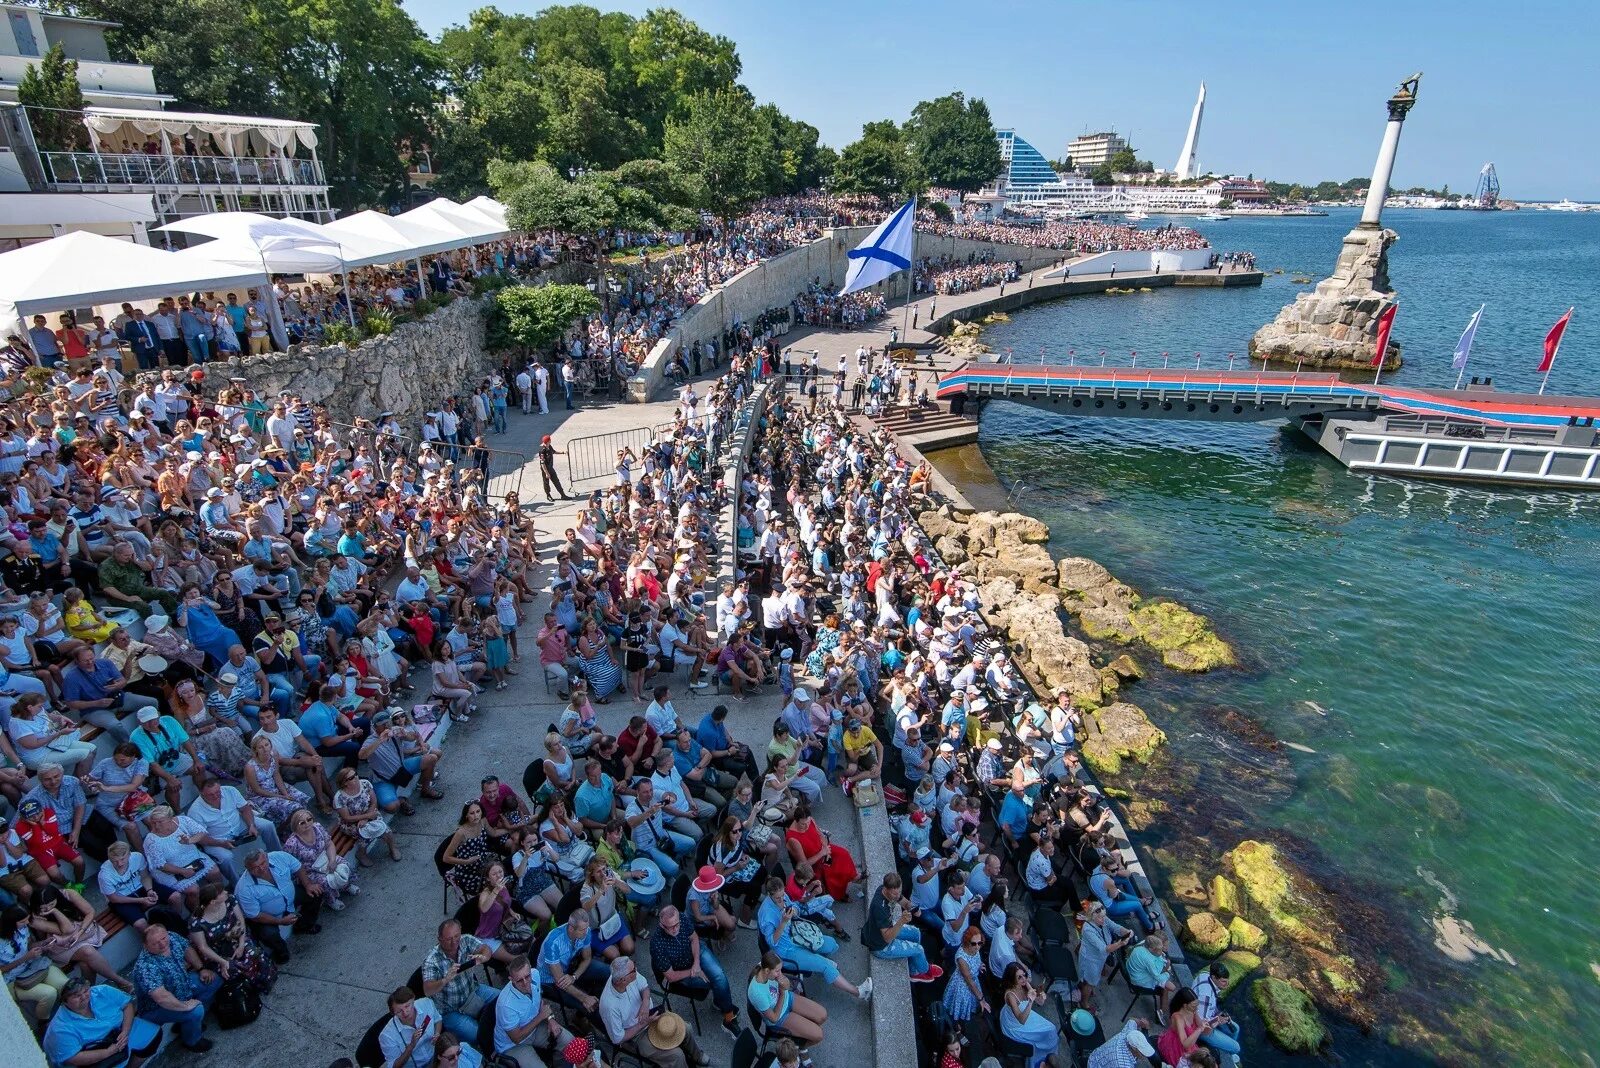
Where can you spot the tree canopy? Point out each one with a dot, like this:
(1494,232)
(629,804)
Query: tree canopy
(954,143)
(534,317)
(879,163)
(50,90)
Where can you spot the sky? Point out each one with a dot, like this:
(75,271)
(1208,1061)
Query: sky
(1294,92)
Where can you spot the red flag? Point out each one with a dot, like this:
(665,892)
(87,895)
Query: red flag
(1385,323)
(1552,341)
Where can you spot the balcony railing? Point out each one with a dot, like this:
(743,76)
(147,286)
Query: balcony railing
(138,169)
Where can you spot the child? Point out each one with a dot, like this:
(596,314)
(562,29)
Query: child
(835,745)
(786,671)
(494,649)
(39,831)
(508,612)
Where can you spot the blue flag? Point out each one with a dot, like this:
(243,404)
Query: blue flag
(886,250)
(1464,346)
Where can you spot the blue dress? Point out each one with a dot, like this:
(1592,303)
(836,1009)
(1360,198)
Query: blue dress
(959,1004)
(208,634)
(1037,1031)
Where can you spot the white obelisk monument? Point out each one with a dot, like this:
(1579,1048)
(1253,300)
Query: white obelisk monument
(1188,166)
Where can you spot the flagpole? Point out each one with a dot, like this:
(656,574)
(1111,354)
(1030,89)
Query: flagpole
(1475,318)
(1556,351)
(911,277)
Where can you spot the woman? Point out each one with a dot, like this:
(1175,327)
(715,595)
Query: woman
(1178,1043)
(635,658)
(580,723)
(1147,966)
(807,779)
(499,927)
(378,646)
(963,994)
(532,865)
(833,864)
(198,617)
(124,881)
(356,805)
(450,1052)
(232,612)
(33,979)
(594,655)
(777,783)
(1020,1018)
(220,745)
(567,839)
(1098,939)
(622,857)
(64,927)
(468,844)
(451,685)
(320,863)
(827,640)
(558,768)
(783,1010)
(219,934)
(598,897)
(743,873)
(264,785)
(41,738)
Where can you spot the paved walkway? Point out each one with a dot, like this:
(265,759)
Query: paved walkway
(336,985)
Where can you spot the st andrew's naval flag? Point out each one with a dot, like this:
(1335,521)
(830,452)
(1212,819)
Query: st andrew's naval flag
(886,250)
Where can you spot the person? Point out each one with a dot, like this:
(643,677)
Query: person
(628,1017)
(775,919)
(26,966)
(597,895)
(355,801)
(808,843)
(326,874)
(96,1025)
(276,901)
(124,881)
(447,979)
(863,754)
(1020,1018)
(1223,1034)
(413,1029)
(451,1052)
(467,845)
(678,957)
(963,995)
(172,849)
(567,968)
(1046,888)
(65,925)
(1118,1050)
(1099,939)
(890,932)
(786,1012)
(523,1024)
(1147,966)
(174,986)
(547,462)
(220,936)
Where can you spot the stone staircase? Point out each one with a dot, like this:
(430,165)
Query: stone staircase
(929,428)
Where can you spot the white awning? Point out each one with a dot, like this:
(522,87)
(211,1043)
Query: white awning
(233,135)
(74,209)
(410,238)
(447,215)
(81,269)
(320,259)
(490,208)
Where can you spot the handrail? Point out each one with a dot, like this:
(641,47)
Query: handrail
(137,168)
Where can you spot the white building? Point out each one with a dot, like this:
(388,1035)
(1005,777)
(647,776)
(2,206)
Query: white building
(1094,150)
(27,33)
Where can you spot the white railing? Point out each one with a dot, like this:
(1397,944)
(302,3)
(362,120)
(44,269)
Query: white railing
(139,169)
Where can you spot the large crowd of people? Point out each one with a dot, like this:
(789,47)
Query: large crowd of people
(1078,238)
(947,275)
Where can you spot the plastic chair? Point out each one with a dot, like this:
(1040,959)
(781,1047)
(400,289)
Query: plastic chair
(1009,1049)
(746,1049)
(692,994)
(533,777)
(367,1050)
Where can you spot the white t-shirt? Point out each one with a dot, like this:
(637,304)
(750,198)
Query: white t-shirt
(284,739)
(223,821)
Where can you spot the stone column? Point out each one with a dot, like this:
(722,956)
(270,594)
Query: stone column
(1399,104)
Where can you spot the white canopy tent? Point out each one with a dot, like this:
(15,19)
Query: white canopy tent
(411,239)
(81,269)
(233,135)
(474,227)
(489,207)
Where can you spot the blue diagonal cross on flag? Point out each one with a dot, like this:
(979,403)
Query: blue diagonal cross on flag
(886,250)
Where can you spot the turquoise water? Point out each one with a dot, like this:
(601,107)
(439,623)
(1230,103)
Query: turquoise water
(1435,647)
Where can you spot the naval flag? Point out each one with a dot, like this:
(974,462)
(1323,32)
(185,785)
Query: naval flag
(886,250)
(1464,346)
(1385,324)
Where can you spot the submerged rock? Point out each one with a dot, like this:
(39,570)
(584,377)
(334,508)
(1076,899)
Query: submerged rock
(1239,964)
(1224,895)
(1205,934)
(1123,732)
(1267,882)
(1186,886)
(1185,640)
(1242,934)
(1291,1017)
(1442,805)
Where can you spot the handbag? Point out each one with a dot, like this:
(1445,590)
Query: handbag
(866,794)
(338,876)
(806,934)
(135,805)
(373,829)
(403,776)
(238,1003)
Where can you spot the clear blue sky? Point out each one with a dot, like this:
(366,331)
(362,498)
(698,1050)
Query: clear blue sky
(1295,92)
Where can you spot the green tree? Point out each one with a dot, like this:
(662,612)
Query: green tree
(49,90)
(794,160)
(721,144)
(534,317)
(877,164)
(674,61)
(1124,162)
(953,141)
(199,51)
(1101,175)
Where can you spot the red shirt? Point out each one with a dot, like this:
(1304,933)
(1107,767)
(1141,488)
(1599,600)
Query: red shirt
(631,743)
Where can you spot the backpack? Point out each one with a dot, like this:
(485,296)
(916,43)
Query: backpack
(238,1003)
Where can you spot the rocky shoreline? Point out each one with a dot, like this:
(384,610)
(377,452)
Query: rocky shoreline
(1256,912)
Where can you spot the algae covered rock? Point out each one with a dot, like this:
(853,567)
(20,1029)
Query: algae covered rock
(1104,622)
(1186,887)
(1291,1017)
(1268,883)
(1123,732)
(1184,639)
(1205,934)
(1242,934)
(1442,805)
(1239,963)
(1127,669)
(1224,895)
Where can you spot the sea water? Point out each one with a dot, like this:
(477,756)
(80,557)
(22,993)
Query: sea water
(1430,653)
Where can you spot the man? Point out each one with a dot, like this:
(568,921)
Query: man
(330,732)
(727,755)
(685,812)
(863,754)
(125,583)
(84,829)
(693,765)
(43,340)
(541,384)
(141,336)
(296,759)
(651,835)
(595,800)
(676,651)
(569,380)
(547,468)
(167,746)
(567,968)
(626,1012)
(165,320)
(173,987)
(677,957)
(96,1025)
(661,715)
(196,330)
(1013,818)
(277,898)
(891,934)
(522,1022)
(94,688)
(640,745)
(956,907)
(524,382)
(1224,1034)
(739,663)
(447,979)
(414,1025)
(229,821)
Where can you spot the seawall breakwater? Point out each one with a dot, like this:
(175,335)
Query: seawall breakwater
(1254,910)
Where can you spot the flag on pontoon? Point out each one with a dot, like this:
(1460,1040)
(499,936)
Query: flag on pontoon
(887,250)
(1552,342)
(1385,323)
(1464,346)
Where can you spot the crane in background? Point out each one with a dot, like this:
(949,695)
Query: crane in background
(1487,195)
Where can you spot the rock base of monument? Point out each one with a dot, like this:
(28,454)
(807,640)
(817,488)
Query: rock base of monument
(1335,326)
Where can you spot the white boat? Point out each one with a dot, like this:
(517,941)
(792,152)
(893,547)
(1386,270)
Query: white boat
(1567,205)
(1136,215)
(1215,216)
